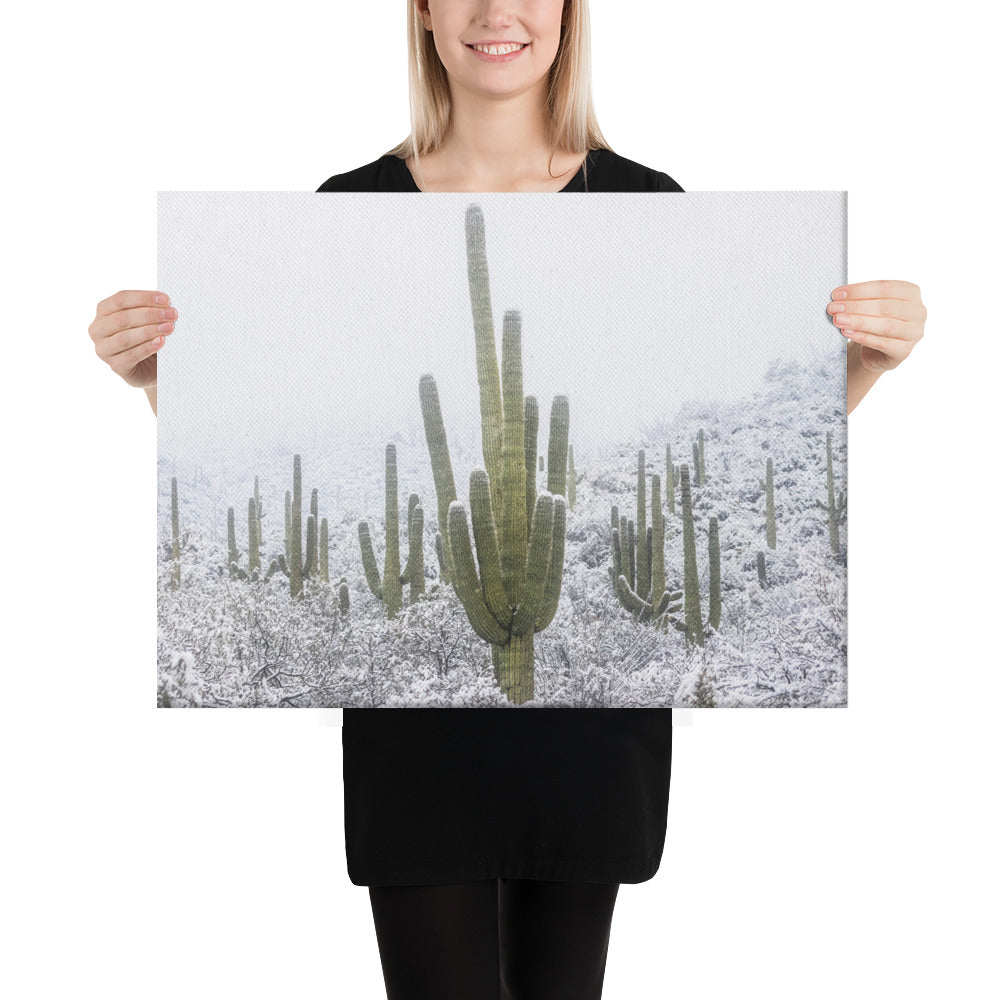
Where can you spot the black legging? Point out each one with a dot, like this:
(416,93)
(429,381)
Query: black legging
(498,939)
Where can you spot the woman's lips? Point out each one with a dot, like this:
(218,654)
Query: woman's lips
(505,57)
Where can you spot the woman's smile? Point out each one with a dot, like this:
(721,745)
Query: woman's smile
(498,51)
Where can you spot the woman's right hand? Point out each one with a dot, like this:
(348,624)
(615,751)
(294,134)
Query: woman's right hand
(128,330)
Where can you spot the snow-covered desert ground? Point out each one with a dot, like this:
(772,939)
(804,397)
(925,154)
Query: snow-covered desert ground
(233,643)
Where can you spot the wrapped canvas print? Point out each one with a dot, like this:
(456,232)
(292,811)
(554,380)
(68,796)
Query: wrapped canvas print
(502,450)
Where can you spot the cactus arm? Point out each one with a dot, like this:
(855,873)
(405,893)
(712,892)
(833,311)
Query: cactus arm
(530,455)
(629,598)
(630,552)
(513,521)
(487,549)
(404,576)
(537,569)
(616,554)
(310,547)
(487,371)
(558,445)
(444,479)
(368,559)
(553,584)
(466,581)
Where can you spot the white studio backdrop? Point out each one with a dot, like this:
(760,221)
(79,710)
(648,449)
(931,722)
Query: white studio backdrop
(850,850)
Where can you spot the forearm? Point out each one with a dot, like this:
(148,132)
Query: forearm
(859,381)
(150,391)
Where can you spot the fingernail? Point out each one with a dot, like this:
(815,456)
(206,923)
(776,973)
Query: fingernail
(837,307)
(160,300)
(840,293)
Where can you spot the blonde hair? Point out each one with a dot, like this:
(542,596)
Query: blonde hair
(572,123)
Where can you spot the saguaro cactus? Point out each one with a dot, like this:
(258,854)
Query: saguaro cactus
(253,532)
(520,538)
(670,481)
(413,572)
(692,594)
(324,551)
(254,542)
(293,565)
(659,605)
(234,553)
(645,596)
(768,485)
(388,589)
(761,571)
(642,553)
(258,509)
(836,509)
(714,575)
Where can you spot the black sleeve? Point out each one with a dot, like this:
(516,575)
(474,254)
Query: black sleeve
(664,182)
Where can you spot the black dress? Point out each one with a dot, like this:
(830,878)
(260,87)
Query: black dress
(440,795)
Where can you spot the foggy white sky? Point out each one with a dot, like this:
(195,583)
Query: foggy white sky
(302,313)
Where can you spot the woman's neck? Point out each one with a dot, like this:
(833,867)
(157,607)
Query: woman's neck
(496,146)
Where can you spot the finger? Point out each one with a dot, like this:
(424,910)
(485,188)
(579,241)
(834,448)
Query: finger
(128,319)
(887,345)
(129,299)
(123,363)
(117,344)
(884,289)
(882,326)
(903,309)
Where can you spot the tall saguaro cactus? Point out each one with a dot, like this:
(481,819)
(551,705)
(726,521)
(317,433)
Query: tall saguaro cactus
(388,589)
(294,565)
(642,553)
(413,572)
(769,487)
(513,592)
(714,575)
(670,481)
(692,595)
(836,509)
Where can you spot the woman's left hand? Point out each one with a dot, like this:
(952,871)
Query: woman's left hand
(885,317)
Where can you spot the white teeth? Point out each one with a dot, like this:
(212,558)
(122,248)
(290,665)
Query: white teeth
(497,50)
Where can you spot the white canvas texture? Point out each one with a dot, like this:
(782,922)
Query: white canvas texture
(311,329)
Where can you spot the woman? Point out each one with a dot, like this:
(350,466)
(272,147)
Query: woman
(493,842)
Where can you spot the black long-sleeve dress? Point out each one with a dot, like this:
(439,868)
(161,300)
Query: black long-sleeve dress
(441,795)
